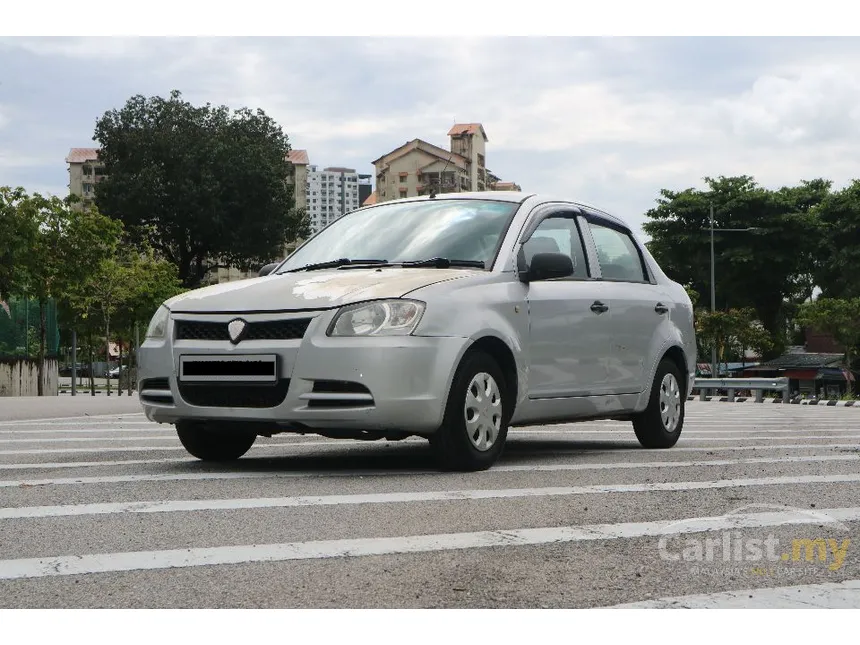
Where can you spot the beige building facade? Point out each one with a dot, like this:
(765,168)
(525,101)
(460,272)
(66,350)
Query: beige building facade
(417,167)
(85,171)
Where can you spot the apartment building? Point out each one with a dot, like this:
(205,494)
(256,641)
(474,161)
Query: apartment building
(85,171)
(418,167)
(505,186)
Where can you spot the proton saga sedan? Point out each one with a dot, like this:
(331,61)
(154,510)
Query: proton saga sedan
(451,317)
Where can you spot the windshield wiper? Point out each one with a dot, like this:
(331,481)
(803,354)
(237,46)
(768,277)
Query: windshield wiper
(333,264)
(444,263)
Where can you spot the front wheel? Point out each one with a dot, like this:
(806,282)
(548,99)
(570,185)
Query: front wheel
(660,424)
(211,442)
(475,425)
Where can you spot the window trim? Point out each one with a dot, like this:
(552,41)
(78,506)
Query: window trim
(597,219)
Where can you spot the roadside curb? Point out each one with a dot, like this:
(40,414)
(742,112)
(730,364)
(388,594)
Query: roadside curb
(743,399)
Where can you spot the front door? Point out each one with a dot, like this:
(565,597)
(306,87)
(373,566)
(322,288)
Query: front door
(568,344)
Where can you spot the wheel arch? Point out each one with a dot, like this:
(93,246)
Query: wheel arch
(501,352)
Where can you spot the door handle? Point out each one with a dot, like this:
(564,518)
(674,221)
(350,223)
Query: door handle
(661,308)
(598,307)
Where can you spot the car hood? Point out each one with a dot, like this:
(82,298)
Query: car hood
(312,290)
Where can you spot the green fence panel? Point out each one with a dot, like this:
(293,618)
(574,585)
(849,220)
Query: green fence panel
(20,328)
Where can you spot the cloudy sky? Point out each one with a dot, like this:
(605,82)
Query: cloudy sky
(604,120)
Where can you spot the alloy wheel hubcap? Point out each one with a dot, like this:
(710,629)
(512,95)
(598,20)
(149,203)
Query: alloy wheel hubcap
(670,402)
(483,411)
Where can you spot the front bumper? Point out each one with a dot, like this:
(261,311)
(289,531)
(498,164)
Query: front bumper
(407,379)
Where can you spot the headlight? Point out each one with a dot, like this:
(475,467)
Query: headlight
(382,318)
(158,325)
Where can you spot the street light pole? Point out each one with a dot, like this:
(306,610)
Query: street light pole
(714,281)
(714,373)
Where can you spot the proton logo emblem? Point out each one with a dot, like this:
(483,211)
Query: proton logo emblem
(236,329)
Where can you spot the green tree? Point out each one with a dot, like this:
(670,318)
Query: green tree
(731,332)
(68,242)
(838,317)
(149,282)
(839,250)
(760,268)
(202,186)
(17,236)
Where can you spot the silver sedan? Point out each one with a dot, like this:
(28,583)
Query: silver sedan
(451,317)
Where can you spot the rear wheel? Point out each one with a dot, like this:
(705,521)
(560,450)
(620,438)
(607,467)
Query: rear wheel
(660,424)
(475,425)
(214,442)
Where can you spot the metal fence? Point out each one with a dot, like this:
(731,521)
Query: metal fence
(20,328)
(733,385)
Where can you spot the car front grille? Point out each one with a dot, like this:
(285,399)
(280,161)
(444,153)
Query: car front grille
(234,395)
(266,330)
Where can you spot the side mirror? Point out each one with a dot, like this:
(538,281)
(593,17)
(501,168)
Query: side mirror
(266,270)
(546,266)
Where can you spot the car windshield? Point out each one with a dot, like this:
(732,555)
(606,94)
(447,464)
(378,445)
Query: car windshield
(458,230)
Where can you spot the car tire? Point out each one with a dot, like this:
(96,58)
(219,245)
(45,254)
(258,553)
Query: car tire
(660,424)
(214,443)
(475,424)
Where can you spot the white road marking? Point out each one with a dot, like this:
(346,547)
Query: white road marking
(89,464)
(172,506)
(497,468)
(830,595)
(592,434)
(684,437)
(346,444)
(89,439)
(709,435)
(76,419)
(244,554)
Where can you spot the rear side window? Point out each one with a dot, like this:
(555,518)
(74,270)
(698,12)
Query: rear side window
(617,254)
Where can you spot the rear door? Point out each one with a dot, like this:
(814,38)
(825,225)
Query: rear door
(638,306)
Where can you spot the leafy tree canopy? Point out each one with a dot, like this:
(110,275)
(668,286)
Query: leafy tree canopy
(198,184)
(759,268)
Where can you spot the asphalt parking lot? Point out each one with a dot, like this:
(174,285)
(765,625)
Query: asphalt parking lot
(757,505)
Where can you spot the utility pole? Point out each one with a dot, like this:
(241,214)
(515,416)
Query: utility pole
(714,373)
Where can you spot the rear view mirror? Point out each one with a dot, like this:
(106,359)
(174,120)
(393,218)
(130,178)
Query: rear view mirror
(546,266)
(266,270)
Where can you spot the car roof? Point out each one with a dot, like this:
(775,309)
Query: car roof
(508,196)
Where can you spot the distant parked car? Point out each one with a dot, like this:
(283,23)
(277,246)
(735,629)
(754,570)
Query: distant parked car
(114,372)
(83,369)
(450,318)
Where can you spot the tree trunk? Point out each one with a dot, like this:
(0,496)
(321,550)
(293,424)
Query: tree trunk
(92,359)
(128,366)
(107,352)
(42,336)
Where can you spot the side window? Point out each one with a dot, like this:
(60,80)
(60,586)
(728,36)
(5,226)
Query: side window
(617,254)
(558,234)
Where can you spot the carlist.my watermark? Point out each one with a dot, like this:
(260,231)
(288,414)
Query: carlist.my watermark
(822,544)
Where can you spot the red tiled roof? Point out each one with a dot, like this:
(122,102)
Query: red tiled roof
(298,157)
(467,128)
(370,201)
(80,155)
